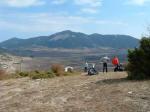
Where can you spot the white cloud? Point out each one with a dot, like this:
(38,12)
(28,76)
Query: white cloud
(91,3)
(45,22)
(21,3)
(84,6)
(57,2)
(89,6)
(89,10)
(138,2)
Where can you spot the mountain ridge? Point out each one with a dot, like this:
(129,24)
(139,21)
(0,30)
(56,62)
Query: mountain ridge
(69,39)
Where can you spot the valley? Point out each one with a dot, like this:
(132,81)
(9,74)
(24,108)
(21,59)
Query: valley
(43,58)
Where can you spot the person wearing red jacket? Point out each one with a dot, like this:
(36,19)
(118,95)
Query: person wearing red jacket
(115,62)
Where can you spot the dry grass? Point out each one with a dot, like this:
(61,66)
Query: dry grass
(109,92)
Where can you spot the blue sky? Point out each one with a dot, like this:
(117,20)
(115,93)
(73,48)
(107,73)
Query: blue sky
(30,18)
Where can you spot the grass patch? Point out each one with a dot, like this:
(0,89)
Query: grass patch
(43,74)
(36,74)
(56,70)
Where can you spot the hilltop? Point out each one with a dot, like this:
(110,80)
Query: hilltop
(102,93)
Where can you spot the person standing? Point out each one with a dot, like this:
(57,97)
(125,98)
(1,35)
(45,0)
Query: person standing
(115,62)
(86,67)
(93,65)
(105,60)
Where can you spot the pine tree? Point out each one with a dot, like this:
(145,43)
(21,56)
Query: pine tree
(139,61)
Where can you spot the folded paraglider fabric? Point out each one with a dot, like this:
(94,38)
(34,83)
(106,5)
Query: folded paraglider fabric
(105,59)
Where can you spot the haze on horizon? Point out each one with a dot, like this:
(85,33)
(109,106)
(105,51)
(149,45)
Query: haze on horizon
(30,18)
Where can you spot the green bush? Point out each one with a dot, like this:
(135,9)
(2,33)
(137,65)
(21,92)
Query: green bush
(41,74)
(56,70)
(36,74)
(23,74)
(139,61)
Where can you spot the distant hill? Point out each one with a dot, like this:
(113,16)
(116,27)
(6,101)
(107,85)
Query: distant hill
(72,40)
(3,51)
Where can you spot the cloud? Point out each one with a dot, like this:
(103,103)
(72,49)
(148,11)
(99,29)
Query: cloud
(84,6)
(91,3)
(57,2)
(89,10)
(21,3)
(89,6)
(138,2)
(40,22)
(45,22)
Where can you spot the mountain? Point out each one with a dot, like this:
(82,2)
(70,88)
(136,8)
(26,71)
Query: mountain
(72,40)
(3,51)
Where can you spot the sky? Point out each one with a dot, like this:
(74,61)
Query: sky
(31,18)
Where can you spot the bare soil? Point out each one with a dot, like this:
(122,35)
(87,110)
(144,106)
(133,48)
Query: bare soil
(109,92)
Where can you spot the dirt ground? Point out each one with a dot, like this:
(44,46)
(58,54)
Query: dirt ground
(109,92)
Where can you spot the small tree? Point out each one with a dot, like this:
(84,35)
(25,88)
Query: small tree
(139,61)
(2,74)
(58,69)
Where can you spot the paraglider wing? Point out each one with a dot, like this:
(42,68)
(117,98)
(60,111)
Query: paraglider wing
(105,59)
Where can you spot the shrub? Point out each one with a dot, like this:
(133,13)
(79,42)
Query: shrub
(57,69)
(50,74)
(35,74)
(139,61)
(41,74)
(2,74)
(19,74)
(23,74)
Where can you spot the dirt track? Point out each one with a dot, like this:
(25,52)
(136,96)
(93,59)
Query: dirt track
(102,93)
